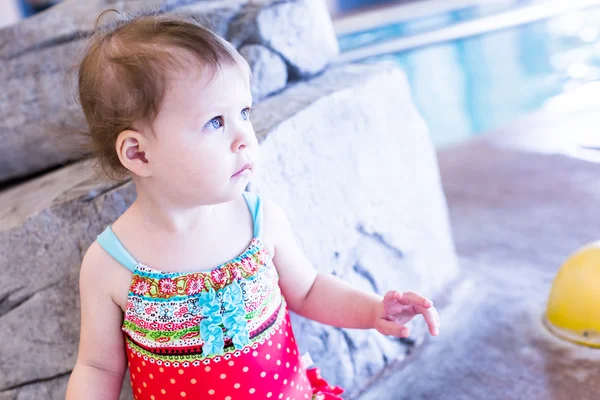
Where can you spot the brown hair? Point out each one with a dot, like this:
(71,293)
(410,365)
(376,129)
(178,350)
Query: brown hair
(122,77)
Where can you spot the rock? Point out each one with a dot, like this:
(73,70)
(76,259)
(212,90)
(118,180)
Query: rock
(269,71)
(300,31)
(38,101)
(35,109)
(214,15)
(46,225)
(72,20)
(345,154)
(53,390)
(351,163)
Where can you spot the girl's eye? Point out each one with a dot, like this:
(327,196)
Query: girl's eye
(215,123)
(246,114)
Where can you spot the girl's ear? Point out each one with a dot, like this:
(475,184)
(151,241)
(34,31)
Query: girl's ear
(132,149)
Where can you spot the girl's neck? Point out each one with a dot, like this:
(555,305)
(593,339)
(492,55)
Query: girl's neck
(159,215)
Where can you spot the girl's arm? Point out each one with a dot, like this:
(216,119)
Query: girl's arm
(330,300)
(101,361)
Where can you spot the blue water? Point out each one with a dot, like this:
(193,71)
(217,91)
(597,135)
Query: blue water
(420,25)
(475,85)
(353,5)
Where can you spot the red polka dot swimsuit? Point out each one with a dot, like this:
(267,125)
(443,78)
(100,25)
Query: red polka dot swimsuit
(218,334)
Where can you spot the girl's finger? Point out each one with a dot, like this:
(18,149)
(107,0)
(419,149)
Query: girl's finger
(392,295)
(416,299)
(430,318)
(392,329)
(437,316)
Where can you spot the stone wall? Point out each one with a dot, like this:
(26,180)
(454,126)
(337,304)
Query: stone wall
(283,41)
(344,152)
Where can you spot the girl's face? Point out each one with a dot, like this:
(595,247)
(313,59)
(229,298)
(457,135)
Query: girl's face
(204,148)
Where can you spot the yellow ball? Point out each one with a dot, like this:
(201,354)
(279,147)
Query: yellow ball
(573,311)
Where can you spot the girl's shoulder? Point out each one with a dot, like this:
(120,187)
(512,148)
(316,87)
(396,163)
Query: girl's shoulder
(102,278)
(275,223)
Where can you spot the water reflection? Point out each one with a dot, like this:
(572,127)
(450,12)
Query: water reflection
(344,6)
(471,86)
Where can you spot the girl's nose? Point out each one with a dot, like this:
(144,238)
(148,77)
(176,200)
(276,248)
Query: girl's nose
(241,139)
(238,144)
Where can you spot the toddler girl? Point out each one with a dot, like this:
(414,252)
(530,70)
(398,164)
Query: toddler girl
(190,288)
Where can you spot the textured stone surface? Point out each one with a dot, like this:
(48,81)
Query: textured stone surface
(45,227)
(269,71)
(71,19)
(300,31)
(35,108)
(37,61)
(215,15)
(370,188)
(346,155)
(52,390)
(516,217)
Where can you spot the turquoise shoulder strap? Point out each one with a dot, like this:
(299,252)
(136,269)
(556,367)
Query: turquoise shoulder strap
(113,246)
(255,206)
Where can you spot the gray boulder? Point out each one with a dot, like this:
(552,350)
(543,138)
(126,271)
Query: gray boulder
(300,31)
(269,71)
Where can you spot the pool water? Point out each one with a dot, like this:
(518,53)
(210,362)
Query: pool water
(344,6)
(410,27)
(481,83)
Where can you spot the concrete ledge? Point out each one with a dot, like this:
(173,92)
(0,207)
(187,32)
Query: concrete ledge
(516,217)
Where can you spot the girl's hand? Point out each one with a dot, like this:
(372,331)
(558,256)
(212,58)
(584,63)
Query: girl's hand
(396,309)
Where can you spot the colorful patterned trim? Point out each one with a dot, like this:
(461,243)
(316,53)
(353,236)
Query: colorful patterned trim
(193,355)
(154,284)
(135,323)
(259,308)
(153,335)
(161,335)
(163,340)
